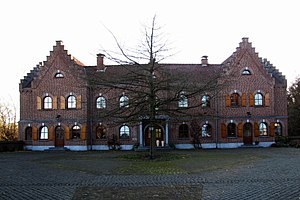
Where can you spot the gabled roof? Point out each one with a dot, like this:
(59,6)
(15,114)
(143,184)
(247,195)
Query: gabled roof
(197,72)
(267,66)
(36,71)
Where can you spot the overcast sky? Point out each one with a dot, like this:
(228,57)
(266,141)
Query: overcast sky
(214,28)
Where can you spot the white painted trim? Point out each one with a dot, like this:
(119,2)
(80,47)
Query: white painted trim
(100,147)
(230,145)
(167,134)
(141,134)
(265,144)
(184,146)
(77,148)
(126,147)
(209,146)
(37,148)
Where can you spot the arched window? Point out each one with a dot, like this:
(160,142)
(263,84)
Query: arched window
(75,132)
(28,133)
(101,102)
(183,101)
(58,74)
(71,101)
(206,130)
(263,130)
(124,132)
(278,129)
(235,99)
(124,101)
(183,131)
(258,99)
(44,133)
(205,101)
(231,130)
(47,102)
(101,132)
(246,72)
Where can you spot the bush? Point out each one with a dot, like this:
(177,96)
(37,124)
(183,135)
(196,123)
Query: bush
(11,146)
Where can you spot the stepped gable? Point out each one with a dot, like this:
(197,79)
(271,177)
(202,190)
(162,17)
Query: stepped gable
(26,81)
(273,71)
(267,66)
(41,68)
(244,46)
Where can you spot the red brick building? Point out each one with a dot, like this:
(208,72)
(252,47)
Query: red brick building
(56,103)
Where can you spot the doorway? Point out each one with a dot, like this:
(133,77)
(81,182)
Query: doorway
(59,136)
(158,134)
(247,134)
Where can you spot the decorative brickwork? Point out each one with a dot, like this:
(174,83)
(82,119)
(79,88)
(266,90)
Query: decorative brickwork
(250,109)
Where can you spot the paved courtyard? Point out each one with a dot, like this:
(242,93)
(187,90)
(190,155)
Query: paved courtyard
(26,175)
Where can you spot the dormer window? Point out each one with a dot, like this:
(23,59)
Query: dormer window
(58,74)
(246,71)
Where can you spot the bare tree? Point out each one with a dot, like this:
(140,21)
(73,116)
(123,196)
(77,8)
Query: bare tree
(8,123)
(151,90)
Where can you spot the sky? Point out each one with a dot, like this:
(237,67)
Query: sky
(194,28)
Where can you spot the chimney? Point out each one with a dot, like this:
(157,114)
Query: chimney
(58,42)
(100,58)
(204,61)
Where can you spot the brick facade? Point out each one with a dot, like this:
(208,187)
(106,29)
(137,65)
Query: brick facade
(58,107)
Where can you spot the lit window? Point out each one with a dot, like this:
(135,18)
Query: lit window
(258,99)
(47,102)
(76,132)
(263,130)
(101,132)
(101,102)
(124,132)
(44,133)
(206,130)
(183,131)
(71,101)
(205,101)
(183,101)
(231,130)
(124,101)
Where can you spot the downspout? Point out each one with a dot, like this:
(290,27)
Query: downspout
(90,102)
(217,120)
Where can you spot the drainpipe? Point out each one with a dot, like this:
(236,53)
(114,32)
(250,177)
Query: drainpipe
(217,120)
(90,116)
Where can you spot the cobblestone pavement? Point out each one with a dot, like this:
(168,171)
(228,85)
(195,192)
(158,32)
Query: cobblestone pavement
(275,177)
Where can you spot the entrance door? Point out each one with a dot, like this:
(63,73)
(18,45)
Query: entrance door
(59,136)
(158,134)
(247,134)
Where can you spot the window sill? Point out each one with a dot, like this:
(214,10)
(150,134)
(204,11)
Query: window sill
(259,106)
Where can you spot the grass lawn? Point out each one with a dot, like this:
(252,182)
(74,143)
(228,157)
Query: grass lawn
(171,162)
